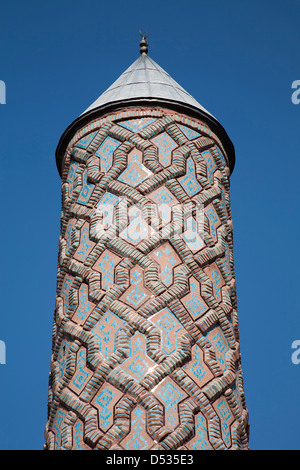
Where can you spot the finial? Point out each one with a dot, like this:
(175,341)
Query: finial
(143,43)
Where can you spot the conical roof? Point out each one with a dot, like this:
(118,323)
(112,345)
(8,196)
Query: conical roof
(144,83)
(145,79)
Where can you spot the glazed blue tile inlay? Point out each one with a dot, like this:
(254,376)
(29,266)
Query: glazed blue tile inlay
(105,153)
(107,265)
(83,303)
(171,395)
(225,414)
(213,219)
(105,412)
(135,125)
(221,345)
(165,145)
(217,281)
(201,433)
(189,181)
(136,295)
(194,305)
(78,432)
(136,172)
(137,442)
(57,425)
(106,331)
(188,132)
(170,328)
(86,190)
(71,176)
(210,164)
(85,141)
(224,163)
(85,244)
(81,376)
(107,206)
(138,363)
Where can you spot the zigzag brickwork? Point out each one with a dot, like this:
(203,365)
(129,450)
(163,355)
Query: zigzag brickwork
(145,350)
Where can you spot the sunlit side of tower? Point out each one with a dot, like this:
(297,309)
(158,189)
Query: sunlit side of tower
(146,351)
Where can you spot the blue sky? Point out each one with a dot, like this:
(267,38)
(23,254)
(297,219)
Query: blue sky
(238,59)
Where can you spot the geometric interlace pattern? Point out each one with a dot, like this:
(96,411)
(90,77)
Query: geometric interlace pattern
(145,350)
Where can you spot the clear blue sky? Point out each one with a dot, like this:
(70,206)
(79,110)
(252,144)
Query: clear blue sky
(238,59)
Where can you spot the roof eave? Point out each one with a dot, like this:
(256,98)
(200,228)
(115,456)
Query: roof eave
(192,111)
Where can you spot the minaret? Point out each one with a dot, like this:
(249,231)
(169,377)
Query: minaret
(146,351)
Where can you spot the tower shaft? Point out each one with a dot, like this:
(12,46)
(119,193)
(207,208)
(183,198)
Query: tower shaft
(146,350)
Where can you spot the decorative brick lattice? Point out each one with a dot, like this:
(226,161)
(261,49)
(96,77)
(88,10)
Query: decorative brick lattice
(145,339)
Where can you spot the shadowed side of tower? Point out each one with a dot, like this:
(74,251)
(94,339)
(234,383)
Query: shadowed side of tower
(146,340)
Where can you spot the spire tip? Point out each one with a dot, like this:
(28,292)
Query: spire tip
(143,43)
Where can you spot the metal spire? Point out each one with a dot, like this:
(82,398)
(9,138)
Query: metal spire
(143,43)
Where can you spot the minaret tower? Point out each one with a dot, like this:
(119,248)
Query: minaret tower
(146,351)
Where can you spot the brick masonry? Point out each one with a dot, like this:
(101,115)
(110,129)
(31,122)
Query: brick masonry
(146,348)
